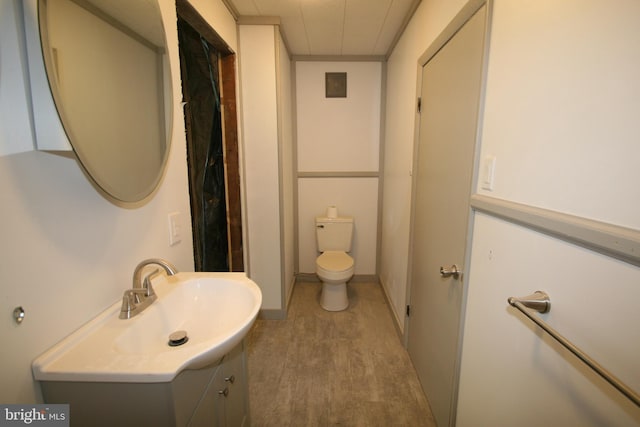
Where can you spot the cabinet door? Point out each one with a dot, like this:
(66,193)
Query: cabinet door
(235,379)
(225,403)
(210,411)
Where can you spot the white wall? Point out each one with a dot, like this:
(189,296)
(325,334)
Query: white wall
(429,20)
(569,134)
(338,134)
(560,117)
(66,252)
(265,73)
(287,180)
(356,197)
(217,15)
(338,146)
(261,161)
(561,99)
(515,374)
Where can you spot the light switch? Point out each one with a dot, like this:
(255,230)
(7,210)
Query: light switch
(174,228)
(488,172)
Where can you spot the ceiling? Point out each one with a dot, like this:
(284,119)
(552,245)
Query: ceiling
(333,27)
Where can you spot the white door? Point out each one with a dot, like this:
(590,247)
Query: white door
(451,84)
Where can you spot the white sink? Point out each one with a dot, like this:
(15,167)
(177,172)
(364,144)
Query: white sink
(215,309)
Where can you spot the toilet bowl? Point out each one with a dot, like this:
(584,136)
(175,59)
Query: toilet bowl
(334,235)
(334,268)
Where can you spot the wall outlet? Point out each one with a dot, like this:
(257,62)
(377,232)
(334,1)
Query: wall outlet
(174,228)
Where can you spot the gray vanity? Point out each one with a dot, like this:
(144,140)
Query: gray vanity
(116,371)
(216,395)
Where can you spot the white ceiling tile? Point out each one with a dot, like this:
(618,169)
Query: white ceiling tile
(363,22)
(246,7)
(393,23)
(276,7)
(292,23)
(295,35)
(333,27)
(323,23)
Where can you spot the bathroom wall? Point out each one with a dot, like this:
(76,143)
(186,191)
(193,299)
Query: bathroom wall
(511,368)
(257,64)
(287,177)
(67,253)
(561,97)
(560,118)
(356,197)
(338,148)
(268,157)
(431,17)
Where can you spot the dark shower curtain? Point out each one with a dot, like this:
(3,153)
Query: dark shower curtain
(201,89)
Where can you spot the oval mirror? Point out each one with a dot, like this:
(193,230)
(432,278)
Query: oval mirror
(109,75)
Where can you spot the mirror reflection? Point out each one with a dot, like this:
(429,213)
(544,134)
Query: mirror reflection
(107,67)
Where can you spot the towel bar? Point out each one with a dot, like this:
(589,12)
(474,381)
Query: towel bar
(540,302)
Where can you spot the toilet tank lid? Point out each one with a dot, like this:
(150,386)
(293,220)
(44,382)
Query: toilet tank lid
(320,219)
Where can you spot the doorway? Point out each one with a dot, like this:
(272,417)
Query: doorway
(207,67)
(451,81)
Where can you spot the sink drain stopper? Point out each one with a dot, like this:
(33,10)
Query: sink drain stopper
(178,338)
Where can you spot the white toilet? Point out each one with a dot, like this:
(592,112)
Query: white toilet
(334,266)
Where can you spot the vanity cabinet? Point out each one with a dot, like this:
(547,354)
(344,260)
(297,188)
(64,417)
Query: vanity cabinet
(225,401)
(215,395)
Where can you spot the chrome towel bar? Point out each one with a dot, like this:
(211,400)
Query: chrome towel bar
(539,301)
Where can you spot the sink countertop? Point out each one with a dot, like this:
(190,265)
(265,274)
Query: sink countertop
(215,309)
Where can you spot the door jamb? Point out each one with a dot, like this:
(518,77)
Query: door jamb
(229,104)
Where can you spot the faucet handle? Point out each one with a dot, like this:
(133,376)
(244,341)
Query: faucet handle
(128,305)
(146,283)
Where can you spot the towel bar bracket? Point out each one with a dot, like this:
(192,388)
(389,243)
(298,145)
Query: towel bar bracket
(538,301)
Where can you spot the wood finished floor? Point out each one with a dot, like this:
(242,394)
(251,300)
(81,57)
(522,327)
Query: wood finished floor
(347,368)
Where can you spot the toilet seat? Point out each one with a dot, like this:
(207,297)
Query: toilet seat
(334,265)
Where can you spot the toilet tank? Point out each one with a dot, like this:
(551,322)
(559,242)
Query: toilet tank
(334,234)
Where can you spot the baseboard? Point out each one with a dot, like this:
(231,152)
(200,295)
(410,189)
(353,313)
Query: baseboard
(396,320)
(360,278)
(272,314)
(290,293)
(306,278)
(313,278)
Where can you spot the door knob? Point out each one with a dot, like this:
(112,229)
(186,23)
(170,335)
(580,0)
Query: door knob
(454,271)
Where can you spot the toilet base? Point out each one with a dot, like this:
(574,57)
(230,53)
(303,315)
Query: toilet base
(334,296)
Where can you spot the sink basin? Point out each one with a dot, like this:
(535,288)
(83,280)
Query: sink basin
(215,310)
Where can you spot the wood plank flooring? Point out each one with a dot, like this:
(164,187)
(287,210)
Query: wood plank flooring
(318,368)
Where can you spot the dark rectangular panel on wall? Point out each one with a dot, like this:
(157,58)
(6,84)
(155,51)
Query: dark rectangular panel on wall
(335,85)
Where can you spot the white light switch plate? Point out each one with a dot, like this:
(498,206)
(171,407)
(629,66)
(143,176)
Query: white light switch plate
(488,171)
(174,228)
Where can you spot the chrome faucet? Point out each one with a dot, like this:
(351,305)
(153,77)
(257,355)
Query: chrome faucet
(141,294)
(137,273)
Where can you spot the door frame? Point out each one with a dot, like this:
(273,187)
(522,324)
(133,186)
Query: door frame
(230,139)
(461,18)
